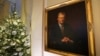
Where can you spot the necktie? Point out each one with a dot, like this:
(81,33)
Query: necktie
(62,29)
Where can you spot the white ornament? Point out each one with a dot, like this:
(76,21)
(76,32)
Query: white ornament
(18,20)
(20,54)
(3,27)
(22,33)
(8,39)
(7,20)
(14,32)
(15,12)
(28,51)
(23,40)
(13,43)
(5,47)
(15,53)
(27,44)
(15,23)
(18,41)
(19,49)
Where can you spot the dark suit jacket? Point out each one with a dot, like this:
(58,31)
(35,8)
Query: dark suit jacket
(55,36)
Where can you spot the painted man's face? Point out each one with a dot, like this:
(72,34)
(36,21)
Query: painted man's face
(61,18)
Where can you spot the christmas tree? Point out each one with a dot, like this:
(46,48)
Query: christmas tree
(14,40)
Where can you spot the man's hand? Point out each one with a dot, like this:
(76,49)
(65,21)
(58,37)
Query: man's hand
(66,40)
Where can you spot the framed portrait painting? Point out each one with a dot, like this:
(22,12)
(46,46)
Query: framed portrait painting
(68,29)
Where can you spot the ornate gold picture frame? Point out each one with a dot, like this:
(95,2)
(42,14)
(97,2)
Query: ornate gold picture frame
(76,38)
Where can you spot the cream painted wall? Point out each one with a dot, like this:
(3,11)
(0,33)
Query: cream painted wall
(37,16)
(53,2)
(36,22)
(96,19)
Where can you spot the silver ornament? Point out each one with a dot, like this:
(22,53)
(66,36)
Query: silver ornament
(14,32)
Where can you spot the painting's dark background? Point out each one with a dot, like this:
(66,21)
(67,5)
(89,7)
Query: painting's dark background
(76,18)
